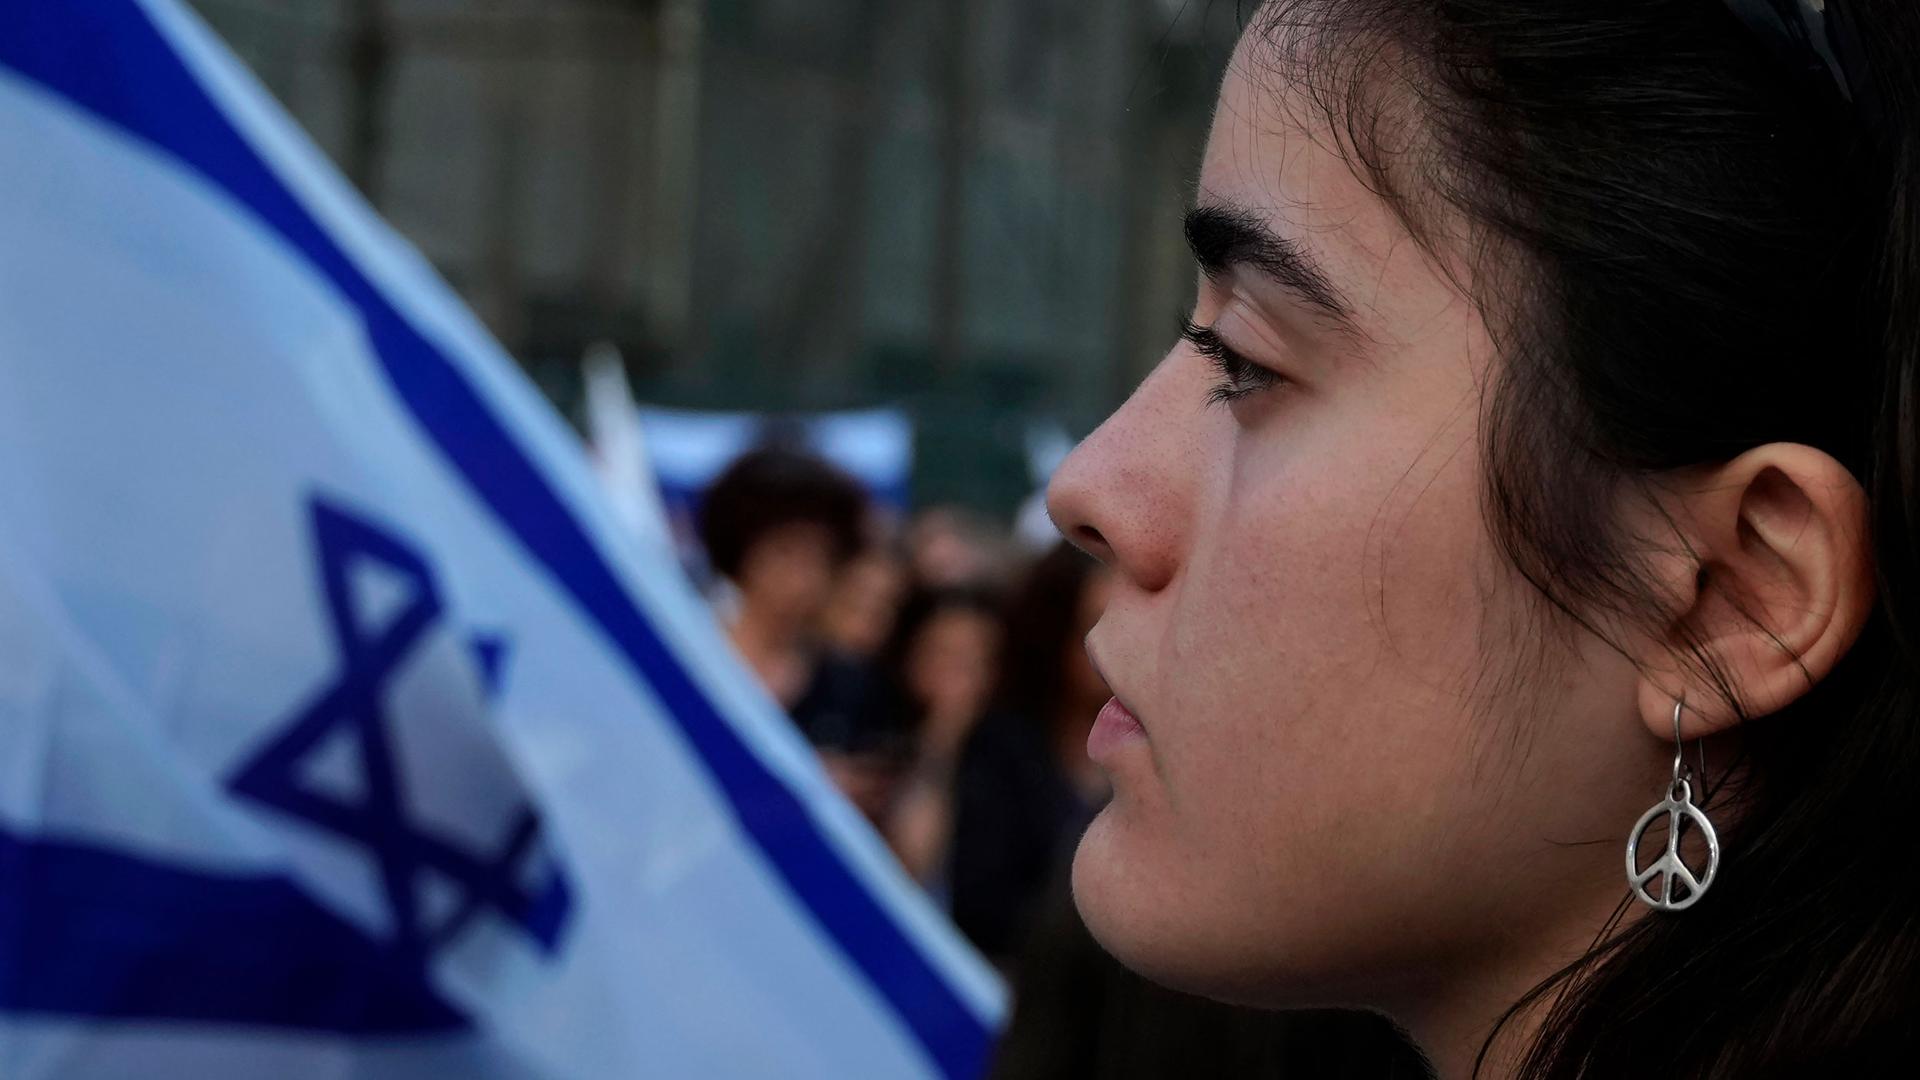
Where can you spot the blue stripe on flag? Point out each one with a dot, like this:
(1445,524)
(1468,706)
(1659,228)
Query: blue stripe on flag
(107,57)
(92,932)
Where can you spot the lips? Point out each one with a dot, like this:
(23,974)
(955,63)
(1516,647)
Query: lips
(1113,730)
(1116,726)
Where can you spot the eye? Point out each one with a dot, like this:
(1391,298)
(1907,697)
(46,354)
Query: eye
(1239,377)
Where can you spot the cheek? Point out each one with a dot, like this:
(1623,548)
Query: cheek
(813,577)
(1328,611)
(1312,670)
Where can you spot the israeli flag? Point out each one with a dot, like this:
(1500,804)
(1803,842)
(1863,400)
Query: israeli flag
(344,733)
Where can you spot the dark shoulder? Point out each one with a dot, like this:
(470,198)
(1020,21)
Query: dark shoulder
(1005,735)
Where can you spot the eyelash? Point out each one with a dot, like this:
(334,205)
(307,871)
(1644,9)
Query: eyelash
(1239,377)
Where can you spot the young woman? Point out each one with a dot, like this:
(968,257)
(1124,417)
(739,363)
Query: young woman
(1550,406)
(936,675)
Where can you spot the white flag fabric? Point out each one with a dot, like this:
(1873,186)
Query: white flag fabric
(620,448)
(344,733)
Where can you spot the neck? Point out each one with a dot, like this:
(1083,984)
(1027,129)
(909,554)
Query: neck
(1451,1022)
(1451,1031)
(1467,997)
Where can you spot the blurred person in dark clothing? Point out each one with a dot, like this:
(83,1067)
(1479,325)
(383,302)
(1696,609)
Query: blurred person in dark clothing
(780,526)
(938,673)
(1025,788)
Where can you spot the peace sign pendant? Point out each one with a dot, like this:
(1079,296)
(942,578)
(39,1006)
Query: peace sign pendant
(1669,868)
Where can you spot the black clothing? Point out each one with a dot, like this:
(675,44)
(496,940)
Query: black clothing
(1016,818)
(835,711)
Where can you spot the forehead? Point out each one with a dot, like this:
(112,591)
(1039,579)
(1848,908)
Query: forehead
(1274,152)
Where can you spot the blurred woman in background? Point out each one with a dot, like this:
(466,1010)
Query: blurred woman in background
(860,614)
(1025,787)
(937,674)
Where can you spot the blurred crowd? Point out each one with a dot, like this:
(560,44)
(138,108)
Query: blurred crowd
(938,667)
(935,664)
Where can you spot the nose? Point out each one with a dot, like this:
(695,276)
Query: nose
(1126,495)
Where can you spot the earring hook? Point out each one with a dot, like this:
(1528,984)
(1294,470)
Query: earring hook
(1679,748)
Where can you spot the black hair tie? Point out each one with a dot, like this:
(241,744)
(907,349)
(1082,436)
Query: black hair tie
(1819,39)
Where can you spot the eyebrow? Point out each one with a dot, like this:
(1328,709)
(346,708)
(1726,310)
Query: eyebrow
(1224,238)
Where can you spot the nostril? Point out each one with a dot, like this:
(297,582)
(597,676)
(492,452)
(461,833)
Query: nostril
(1088,538)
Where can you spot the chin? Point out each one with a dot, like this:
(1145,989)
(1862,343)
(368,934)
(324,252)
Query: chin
(1131,903)
(1152,915)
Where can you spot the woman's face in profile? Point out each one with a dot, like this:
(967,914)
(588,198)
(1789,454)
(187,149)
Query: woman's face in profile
(1358,774)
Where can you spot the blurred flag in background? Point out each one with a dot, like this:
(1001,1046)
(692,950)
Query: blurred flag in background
(345,731)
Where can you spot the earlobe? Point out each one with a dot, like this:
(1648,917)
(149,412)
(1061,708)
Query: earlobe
(1781,587)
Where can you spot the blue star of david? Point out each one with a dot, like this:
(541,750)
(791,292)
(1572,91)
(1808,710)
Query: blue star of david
(370,655)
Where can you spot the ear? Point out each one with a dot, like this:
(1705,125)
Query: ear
(1776,587)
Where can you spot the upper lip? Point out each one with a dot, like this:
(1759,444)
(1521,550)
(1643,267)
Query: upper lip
(1093,657)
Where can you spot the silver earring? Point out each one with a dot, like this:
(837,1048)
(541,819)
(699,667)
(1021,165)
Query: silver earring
(1669,868)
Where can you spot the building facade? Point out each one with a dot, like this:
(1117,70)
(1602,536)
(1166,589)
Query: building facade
(970,207)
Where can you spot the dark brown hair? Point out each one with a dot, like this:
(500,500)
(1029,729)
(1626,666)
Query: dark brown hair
(1684,251)
(770,488)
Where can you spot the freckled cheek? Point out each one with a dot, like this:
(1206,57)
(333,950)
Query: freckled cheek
(1432,571)
(1268,633)
(1316,603)
(1275,581)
